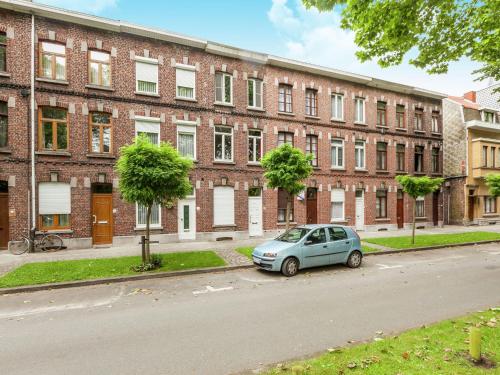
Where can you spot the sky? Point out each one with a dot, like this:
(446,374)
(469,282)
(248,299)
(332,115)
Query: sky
(278,27)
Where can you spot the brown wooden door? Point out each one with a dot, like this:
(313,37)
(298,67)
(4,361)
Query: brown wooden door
(312,206)
(471,208)
(102,218)
(4,220)
(400,209)
(435,208)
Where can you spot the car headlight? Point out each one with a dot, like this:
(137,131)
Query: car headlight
(270,255)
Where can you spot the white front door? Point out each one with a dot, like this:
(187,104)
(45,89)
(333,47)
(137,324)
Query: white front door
(360,210)
(186,216)
(255,216)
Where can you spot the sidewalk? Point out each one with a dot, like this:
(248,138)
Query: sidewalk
(225,249)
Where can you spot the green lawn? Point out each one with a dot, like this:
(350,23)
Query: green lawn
(246,251)
(369,249)
(84,269)
(404,242)
(437,349)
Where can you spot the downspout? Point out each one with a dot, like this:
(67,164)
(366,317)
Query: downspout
(32,115)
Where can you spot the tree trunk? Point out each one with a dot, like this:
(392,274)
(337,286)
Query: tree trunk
(288,207)
(148,220)
(414,220)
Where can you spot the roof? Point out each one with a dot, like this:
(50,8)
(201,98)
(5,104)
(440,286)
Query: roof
(464,102)
(59,14)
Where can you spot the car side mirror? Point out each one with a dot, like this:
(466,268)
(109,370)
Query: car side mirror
(308,242)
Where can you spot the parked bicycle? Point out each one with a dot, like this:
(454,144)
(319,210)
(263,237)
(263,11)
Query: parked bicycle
(42,242)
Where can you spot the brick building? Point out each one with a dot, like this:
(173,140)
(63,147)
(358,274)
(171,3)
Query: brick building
(98,82)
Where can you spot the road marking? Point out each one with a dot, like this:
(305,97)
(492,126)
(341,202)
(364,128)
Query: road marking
(211,289)
(386,267)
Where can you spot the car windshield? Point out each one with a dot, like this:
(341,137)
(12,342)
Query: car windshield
(293,235)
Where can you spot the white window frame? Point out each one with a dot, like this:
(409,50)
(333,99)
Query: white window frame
(356,150)
(255,83)
(334,105)
(420,199)
(363,104)
(483,116)
(187,127)
(143,226)
(145,124)
(223,146)
(335,200)
(147,60)
(260,137)
(434,124)
(337,166)
(189,68)
(223,88)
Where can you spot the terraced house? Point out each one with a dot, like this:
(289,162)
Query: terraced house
(74,88)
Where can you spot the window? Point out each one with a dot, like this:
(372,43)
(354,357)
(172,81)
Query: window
(400,157)
(285,98)
(3,52)
(419,159)
(254,93)
(337,152)
(488,116)
(52,61)
(146,75)
(142,214)
(150,128)
(54,205)
(100,132)
(337,107)
(337,204)
(99,68)
(317,236)
(52,129)
(381,204)
(312,148)
(400,116)
(285,137)
(485,156)
(4,124)
(493,151)
(254,146)
(223,143)
(337,234)
(435,160)
(186,141)
(311,102)
(359,110)
(223,88)
(223,205)
(381,156)
(418,122)
(381,114)
(490,205)
(420,207)
(359,154)
(283,197)
(435,123)
(185,81)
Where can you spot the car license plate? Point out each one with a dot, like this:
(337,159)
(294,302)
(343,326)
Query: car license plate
(256,260)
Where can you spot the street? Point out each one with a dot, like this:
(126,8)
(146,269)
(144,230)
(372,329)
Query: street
(239,321)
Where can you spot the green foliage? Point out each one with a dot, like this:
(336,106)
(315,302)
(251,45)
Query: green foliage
(419,186)
(155,262)
(440,31)
(493,182)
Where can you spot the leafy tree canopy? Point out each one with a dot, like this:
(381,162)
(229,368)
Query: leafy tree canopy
(441,31)
(493,182)
(419,186)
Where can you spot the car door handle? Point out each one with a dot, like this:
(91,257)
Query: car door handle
(324,246)
(348,242)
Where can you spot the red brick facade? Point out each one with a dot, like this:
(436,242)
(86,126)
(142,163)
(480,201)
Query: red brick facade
(80,168)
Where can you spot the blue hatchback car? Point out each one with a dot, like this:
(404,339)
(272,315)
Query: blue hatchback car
(309,246)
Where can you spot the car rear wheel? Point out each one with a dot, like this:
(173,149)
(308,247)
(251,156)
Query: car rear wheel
(290,267)
(354,260)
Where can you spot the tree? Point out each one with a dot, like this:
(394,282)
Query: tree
(151,174)
(286,167)
(418,187)
(440,31)
(493,182)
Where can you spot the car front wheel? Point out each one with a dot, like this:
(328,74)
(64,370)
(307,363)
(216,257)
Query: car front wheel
(354,260)
(290,267)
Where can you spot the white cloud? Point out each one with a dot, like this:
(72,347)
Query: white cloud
(86,6)
(317,37)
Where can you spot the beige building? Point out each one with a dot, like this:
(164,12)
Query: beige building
(471,135)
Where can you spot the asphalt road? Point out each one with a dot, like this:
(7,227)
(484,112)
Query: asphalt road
(242,320)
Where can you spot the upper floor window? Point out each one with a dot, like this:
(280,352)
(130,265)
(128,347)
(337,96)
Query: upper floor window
(484,156)
(146,75)
(186,141)
(381,113)
(418,120)
(185,81)
(337,152)
(3,52)
(285,137)
(381,156)
(223,88)
(254,146)
(359,110)
(254,87)
(312,148)
(400,157)
(53,129)
(435,123)
(400,116)
(285,99)
(99,68)
(223,143)
(52,61)
(435,160)
(488,116)
(493,156)
(100,132)
(311,102)
(359,155)
(419,159)
(4,125)
(337,107)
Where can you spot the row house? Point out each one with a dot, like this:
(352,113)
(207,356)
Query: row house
(75,88)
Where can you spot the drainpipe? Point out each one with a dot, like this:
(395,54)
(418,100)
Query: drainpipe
(32,115)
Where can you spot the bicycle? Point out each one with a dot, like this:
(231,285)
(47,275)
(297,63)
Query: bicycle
(47,242)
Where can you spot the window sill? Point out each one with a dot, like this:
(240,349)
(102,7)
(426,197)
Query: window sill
(491,215)
(54,231)
(337,120)
(382,171)
(283,223)
(257,109)
(402,130)
(337,169)
(312,117)
(101,156)
(5,150)
(254,164)
(98,87)
(338,221)
(56,81)
(153,227)
(286,113)
(436,134)
(54,153)
(224,162)
(421,218)
(419,173)
(4,74)
(192,100)
(382,219)
(147,94)
(359,170)
(419,131)
(224,104)
(401,172)
(360,123)
(381,127)
(224,226)
(436,174)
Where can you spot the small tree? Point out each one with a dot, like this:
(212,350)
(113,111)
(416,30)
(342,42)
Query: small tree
(151,174)
(493,182)
(417,187)
(286,167)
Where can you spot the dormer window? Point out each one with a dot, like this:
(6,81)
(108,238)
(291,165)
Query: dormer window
(488,116)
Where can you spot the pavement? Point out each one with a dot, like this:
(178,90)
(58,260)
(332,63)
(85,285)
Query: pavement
(239,321)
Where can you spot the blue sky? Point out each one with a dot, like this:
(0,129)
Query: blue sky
(280,27)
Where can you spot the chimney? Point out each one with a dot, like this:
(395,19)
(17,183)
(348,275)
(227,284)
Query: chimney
(471,95)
